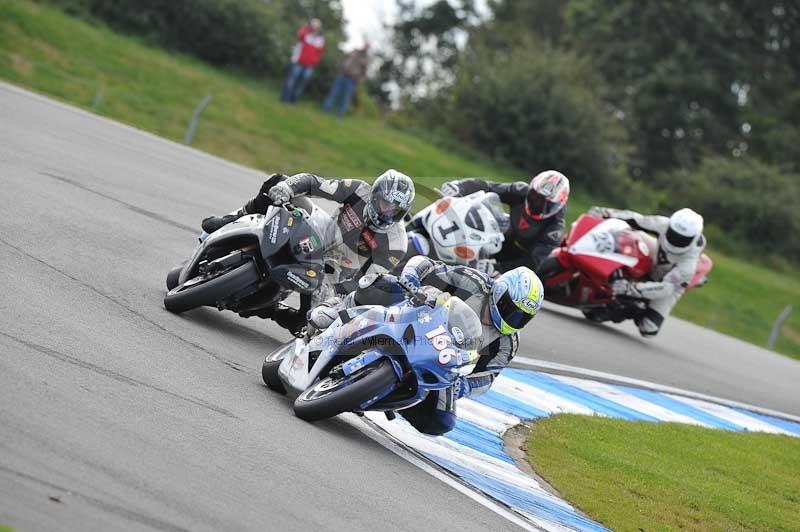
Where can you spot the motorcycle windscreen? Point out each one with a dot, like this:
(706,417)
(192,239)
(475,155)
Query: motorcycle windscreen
(464,325)
(306,242)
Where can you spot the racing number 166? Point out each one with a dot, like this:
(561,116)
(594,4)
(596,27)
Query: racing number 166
(440,340)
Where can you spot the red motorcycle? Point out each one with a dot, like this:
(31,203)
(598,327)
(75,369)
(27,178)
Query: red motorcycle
(595,253)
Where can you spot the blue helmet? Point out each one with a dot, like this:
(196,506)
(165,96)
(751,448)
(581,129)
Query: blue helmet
(516,298)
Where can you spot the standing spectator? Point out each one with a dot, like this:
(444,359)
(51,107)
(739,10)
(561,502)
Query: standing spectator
(352,70)
(305,57)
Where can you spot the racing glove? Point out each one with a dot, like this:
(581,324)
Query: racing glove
(486,266)
(450,188)
(281,193)
(599,212)
(623,287)
(409,280)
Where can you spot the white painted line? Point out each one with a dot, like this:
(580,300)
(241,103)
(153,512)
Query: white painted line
(462,456)
(554,367)
(485,416)
(616,395)
(547,525)
(400,450)
(541,399)
(733,416)
(439,446)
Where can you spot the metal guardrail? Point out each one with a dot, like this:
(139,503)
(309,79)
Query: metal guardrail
(190,131)
(776,327)
(105,90)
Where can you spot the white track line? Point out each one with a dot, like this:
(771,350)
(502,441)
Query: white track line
(555,368)
(616,395)
(380,437)
(541,399)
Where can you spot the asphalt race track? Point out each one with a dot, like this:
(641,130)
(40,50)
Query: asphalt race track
(117,415)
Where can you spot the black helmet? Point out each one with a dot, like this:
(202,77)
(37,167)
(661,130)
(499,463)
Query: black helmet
(391,198)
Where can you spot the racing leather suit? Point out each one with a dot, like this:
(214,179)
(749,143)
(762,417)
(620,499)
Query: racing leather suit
(671,272)
(436,414)
(528,242)
(365,249)
(356,248)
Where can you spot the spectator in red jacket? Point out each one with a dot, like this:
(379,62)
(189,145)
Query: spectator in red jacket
(305,57)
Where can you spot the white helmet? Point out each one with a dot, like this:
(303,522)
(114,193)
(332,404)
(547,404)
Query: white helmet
(685,228)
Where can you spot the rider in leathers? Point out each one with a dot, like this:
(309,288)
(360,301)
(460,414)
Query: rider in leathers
(680,244)
(504,306)
(537,215)
(369,238)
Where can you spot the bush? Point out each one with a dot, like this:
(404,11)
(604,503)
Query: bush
(537,109)
(747,200)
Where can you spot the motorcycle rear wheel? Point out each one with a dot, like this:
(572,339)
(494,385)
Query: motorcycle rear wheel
(330,397)
(208,292)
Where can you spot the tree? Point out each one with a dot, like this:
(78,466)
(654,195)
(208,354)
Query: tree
(536,110)
(423,49)
(687,73)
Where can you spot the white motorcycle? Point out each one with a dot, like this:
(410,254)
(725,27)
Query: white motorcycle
(466,230)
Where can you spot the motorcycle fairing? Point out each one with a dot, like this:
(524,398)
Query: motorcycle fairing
(588,262)
(249,226)
(455,240)
(372,332)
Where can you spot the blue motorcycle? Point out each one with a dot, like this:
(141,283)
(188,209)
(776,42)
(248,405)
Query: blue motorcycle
(379,358)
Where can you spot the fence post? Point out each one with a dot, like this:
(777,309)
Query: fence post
(776,327)
(98,96)
(187,139)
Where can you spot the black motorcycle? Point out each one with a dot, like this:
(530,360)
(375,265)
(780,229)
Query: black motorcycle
(250,265)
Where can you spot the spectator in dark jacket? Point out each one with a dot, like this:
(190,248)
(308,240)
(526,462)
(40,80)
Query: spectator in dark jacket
(352,70)
(306,56)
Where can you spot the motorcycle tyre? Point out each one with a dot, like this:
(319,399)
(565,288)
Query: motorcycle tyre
(269,369)
(208,293)
(365,383)
(596,315)
(173,276)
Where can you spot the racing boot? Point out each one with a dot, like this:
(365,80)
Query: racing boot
(291,319)
(212,223)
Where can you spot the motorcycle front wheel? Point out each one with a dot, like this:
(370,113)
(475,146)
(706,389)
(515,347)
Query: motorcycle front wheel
(269,369)
(203,290)
(332,396)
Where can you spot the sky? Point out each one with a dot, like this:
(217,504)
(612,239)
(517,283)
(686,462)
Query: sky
(365,20)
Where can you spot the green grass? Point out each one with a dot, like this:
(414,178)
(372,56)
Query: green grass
(47,51)
(665,476)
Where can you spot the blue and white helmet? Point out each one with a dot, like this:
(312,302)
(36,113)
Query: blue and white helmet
(516,298)
(390,199)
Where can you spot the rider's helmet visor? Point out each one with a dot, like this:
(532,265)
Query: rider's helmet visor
(385,213)
(678,240)
(511,313)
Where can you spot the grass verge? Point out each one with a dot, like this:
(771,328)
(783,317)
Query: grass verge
(665,476)
(122,78)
